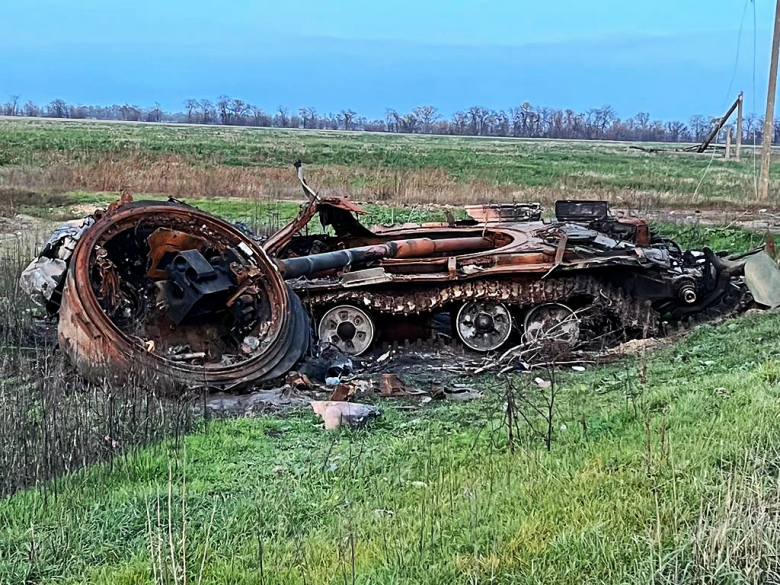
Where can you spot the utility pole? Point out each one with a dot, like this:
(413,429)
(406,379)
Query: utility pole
(728,142)
(739,126)
(766,148)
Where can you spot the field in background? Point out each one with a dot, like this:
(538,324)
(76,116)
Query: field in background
(202,162)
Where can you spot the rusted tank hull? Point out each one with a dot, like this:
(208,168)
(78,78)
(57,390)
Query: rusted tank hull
(181,294)
(509,264)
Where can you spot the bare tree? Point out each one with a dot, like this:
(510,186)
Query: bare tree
(393,121)
(223,107)
(346,117)
(77,112)
(192,106)
(207,111)
(458,124)
(699,127)
(375,126)
(58,109)
(282,117)
(478,118)
(409,123)
(237,108)
(527,117)
(11,109)
(676,131)
(605,117)
(31,110)
(157,112)
(309,117)
(642,123)
(427,116)
(752,125)
(259,117)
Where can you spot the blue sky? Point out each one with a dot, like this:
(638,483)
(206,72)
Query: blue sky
(672,58)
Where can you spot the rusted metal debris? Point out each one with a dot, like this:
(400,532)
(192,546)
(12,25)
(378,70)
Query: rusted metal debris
(507,274)
(165,286)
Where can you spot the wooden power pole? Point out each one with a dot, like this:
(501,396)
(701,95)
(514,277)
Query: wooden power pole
(766,148)
(739,126)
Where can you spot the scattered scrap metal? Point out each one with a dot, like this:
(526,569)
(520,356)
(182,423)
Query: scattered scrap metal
(165,286)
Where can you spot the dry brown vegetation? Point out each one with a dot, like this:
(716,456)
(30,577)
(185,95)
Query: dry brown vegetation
(53,422)
(204,162)
(173,176)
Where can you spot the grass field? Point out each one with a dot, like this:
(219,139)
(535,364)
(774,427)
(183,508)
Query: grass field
(200,162)
(662,467)
(662,471)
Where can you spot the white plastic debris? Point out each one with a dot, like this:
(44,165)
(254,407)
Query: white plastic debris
(250,345)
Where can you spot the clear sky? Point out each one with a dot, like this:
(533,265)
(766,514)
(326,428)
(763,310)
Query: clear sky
(672,58)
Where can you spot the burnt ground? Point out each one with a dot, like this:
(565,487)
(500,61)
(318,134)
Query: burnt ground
(415,374)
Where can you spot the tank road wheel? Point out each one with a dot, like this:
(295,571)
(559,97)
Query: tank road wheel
(483,325)
(554,321)
(349,328)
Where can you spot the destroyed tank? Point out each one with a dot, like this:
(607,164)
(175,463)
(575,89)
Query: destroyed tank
(176,291)
(585,275)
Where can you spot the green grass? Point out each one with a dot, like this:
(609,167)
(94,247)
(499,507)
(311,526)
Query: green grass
(696,236)
(661,469)
(369,163)
(434,494)
(255,213)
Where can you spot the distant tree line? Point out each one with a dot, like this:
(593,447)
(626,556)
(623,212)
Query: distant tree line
(523,121)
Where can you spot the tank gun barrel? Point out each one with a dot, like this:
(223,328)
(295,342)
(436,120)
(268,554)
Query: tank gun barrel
(412,248)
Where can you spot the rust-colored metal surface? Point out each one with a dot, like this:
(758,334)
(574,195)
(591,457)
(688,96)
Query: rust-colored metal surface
(611,270)
(169,288)
(335,211)
(118,298)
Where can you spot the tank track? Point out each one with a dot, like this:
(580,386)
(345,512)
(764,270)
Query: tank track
(633,315)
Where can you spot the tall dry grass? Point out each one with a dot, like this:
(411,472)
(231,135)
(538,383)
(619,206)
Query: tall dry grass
(174,176)
(736,537)
(53,422)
